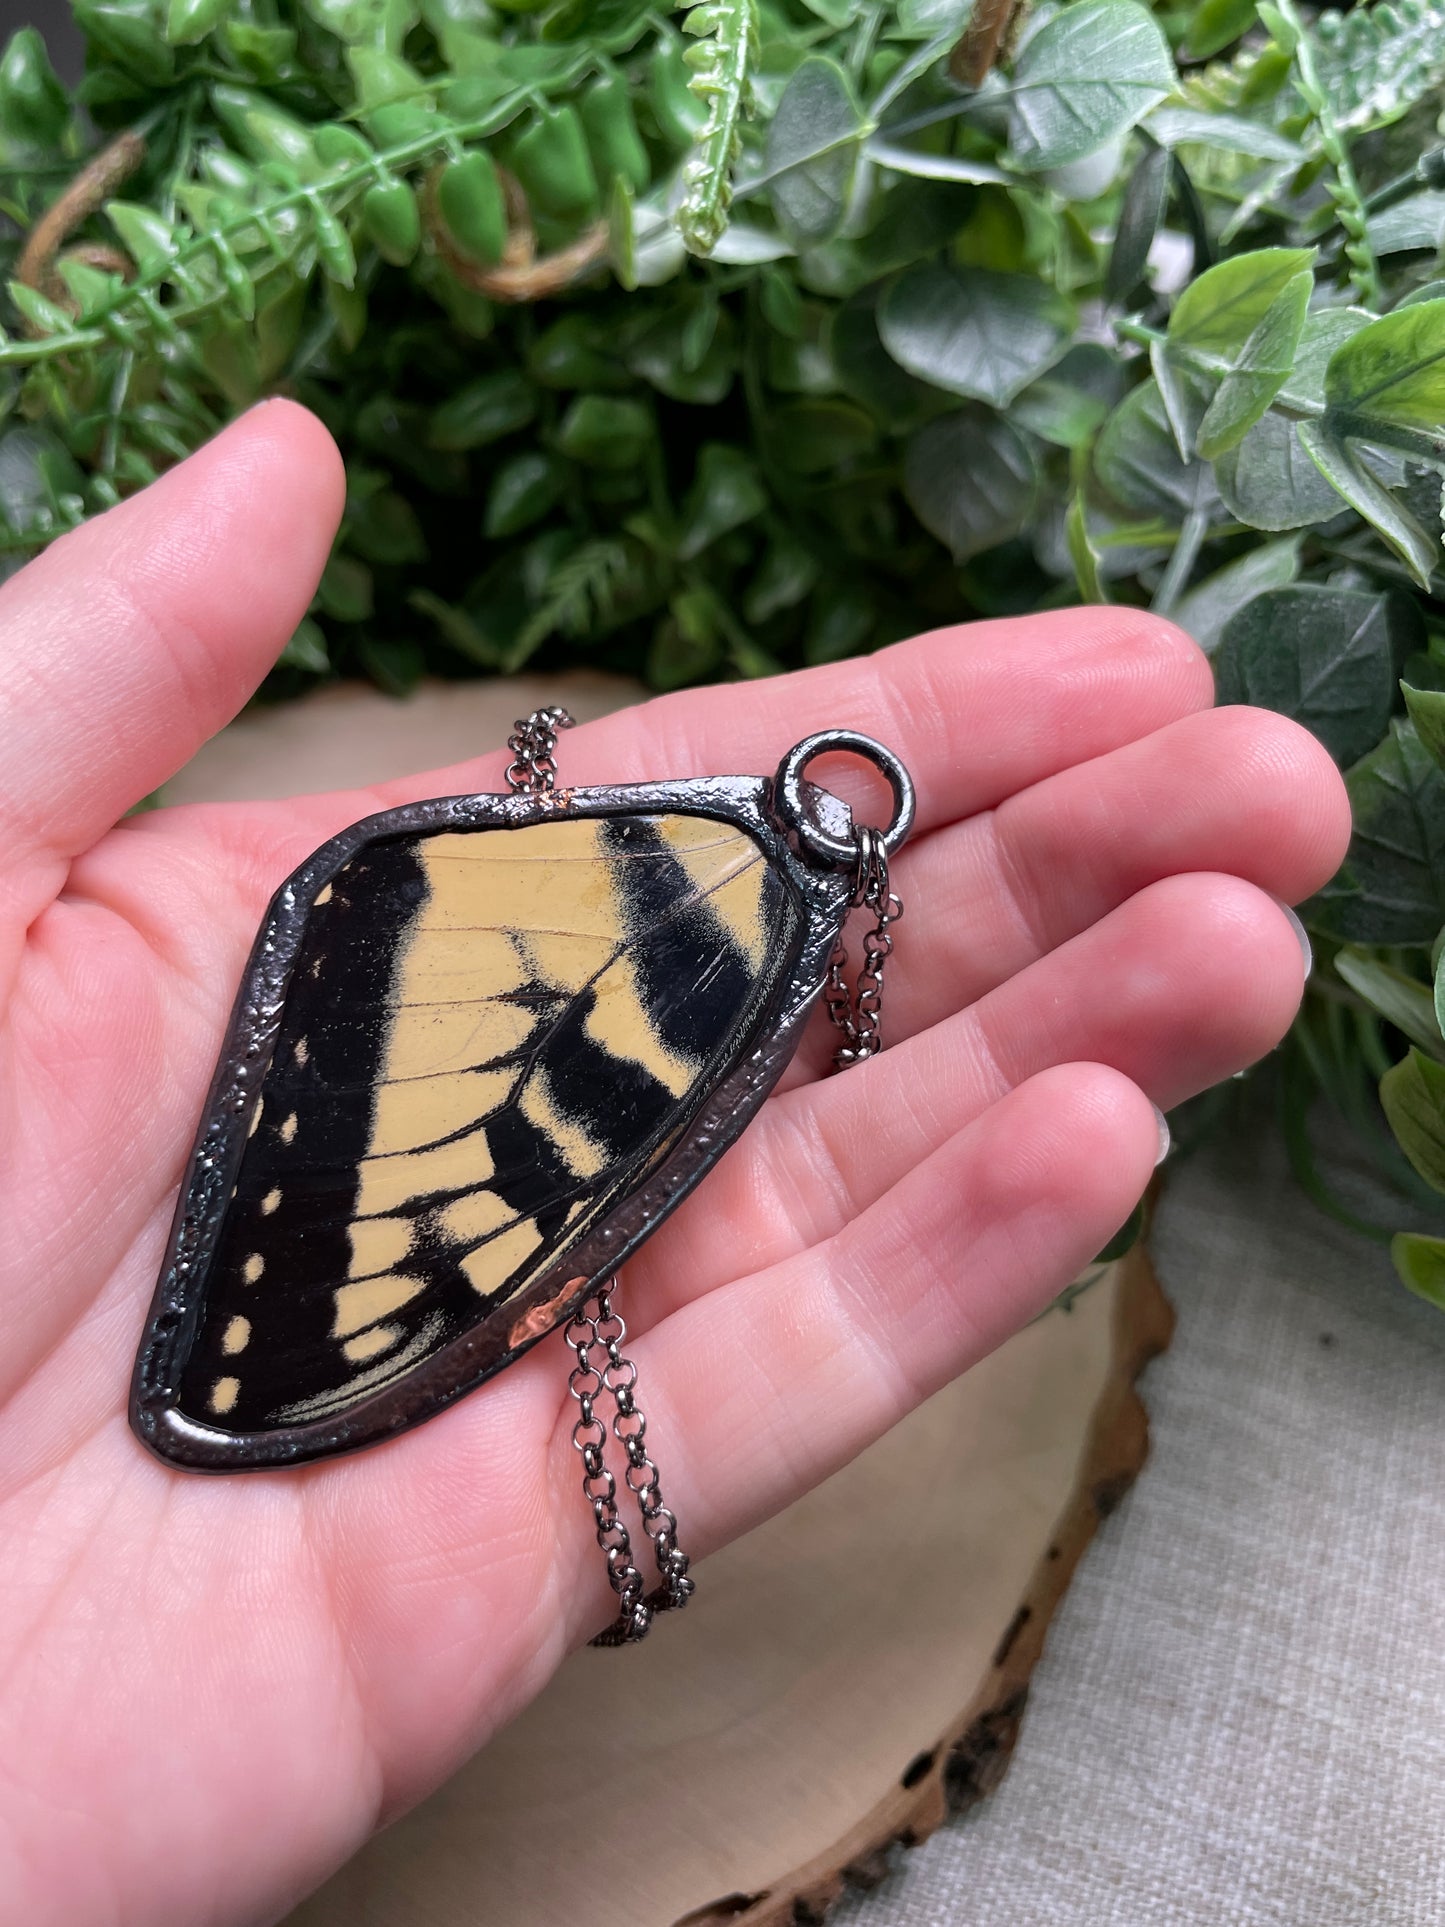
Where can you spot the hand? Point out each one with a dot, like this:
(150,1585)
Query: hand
(214,1689)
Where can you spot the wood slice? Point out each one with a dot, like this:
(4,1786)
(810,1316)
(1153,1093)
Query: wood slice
(851,1671)
(848,1673)
(348,734)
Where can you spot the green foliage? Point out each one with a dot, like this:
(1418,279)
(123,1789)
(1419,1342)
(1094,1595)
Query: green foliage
(704,340)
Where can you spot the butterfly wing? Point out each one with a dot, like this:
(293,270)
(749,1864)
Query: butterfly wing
(489,1038)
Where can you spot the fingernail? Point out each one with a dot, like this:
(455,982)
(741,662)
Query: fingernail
(1301,934)
(1164,1138)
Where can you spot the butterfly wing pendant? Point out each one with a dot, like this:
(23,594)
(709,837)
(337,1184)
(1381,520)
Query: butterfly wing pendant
(483,1046)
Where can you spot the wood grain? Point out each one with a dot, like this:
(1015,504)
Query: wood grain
(788,1733)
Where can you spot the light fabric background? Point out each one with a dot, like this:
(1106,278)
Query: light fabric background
(1240,1717)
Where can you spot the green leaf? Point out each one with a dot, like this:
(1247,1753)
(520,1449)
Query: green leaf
(484,411)
(371,23)
(841,624)
(1138,461)
(1058,412)
(1087,75)
(1269,480)
(1216,24)
(1181,126)
(606,431)
(306,649)
(34,106)
(1427,713)
(1402,1001)
(1239,326)
(1206,608)
(726,492)
(346,591)
(147,237)
(1140,215)
(973,332)
(384,528)
(812,150)
(1324,332)
(1082,553)
(1416,222)
(523,490)
(971,479)
(460,629)
(128,32)
(1343,468)
(922,166)
(1420,1262)
(188,21)
(1413,1094)
(1324,656)
(1391,374)
(811,436)
(394,666)
(45,316)
(1391,887)
(788,574)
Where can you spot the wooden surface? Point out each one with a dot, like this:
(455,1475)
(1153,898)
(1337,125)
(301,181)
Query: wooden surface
(850,1671)
(847,1673)
(349,734)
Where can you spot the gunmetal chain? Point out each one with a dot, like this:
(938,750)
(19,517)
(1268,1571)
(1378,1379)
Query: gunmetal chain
(595,1327)
(595,1324)
(533,744)
(858,1016)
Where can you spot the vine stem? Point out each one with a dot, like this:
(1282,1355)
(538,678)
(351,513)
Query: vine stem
(105,326)
(1344,188)
(91,188)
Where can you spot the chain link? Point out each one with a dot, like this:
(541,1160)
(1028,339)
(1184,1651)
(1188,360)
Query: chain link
(595,1327)
(595,1332)
(533,744)
(858,1015)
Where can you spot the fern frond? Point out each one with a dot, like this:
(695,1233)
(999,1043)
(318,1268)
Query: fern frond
(1341,184)
(1226,86)
(598,584)
(204,265)
(722,61)
(1376,62)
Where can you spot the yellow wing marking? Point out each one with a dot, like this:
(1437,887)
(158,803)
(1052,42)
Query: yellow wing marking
(377,1244)
(491,1264)
(471,1219)
(582,1156)
(389,1184)
(360,1305)
(727,868)
(382,1373)
(380,1338)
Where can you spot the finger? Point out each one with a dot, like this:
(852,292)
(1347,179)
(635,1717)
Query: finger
(1185,984)
(757,1392)
(976,712)
(1237,790)
(133,639)
(1036,696)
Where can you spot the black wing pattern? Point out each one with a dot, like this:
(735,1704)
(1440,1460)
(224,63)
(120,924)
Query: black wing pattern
(489,1037)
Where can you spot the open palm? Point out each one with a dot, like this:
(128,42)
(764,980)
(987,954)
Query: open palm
(211,1690)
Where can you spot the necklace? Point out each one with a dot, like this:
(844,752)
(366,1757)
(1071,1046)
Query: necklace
(483,1046)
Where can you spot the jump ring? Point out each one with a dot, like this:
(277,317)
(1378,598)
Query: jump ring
(791,804)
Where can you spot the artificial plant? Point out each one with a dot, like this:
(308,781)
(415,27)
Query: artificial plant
(763,331)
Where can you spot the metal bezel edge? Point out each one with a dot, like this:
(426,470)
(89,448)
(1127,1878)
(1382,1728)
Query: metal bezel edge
(474,1357)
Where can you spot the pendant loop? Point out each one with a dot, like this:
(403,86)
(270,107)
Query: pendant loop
(792,808)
